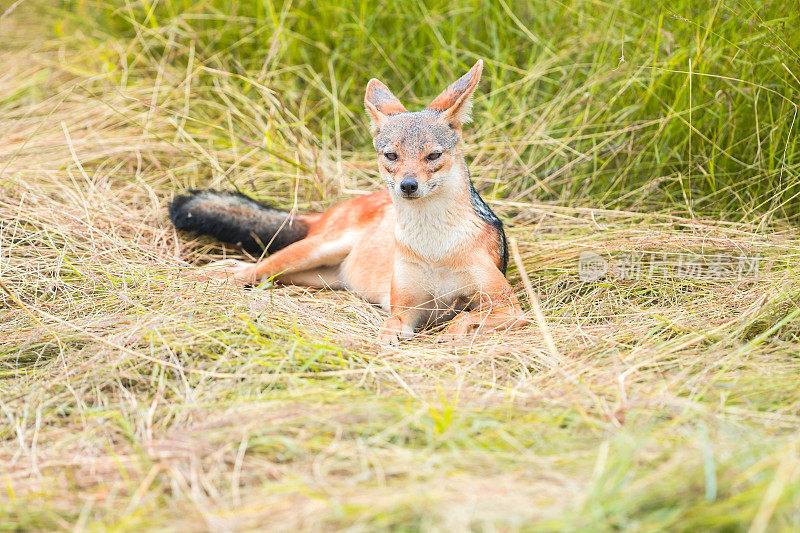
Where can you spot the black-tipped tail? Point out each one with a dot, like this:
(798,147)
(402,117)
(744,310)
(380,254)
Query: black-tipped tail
(236,219)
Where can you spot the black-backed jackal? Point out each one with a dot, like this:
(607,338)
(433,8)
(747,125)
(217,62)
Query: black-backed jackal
(428,246)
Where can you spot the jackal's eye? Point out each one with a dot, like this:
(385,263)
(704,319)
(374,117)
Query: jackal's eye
(391,156)
(433,156)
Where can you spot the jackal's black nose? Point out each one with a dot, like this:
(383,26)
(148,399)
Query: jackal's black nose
(409,185)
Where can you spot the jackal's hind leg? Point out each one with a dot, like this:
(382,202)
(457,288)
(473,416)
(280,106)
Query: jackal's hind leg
(301,262)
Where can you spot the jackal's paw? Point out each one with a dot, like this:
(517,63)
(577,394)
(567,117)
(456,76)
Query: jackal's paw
(458,329)
(228,270)
(392,332)
(388,338)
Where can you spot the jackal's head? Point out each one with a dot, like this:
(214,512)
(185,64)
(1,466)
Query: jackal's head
(418,153)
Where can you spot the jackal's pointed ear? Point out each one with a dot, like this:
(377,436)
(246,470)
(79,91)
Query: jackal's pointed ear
(381,103)
(454,103)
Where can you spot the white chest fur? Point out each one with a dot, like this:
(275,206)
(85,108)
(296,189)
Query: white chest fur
(433,228)
(442,284)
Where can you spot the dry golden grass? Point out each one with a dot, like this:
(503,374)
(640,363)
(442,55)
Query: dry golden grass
(134,397)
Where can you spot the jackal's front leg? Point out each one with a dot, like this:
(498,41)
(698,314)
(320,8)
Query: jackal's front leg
(495,307)
(407,306)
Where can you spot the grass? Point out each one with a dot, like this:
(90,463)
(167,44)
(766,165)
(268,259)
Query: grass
(134,397)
